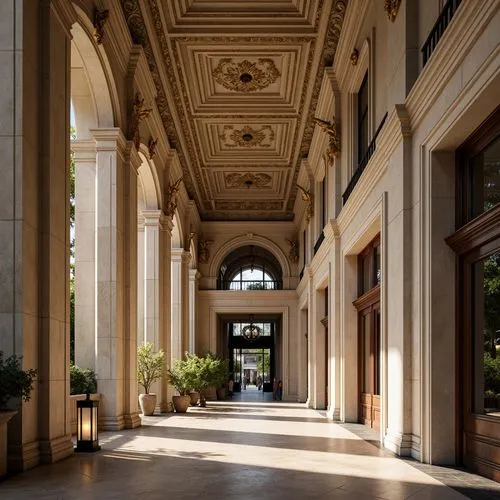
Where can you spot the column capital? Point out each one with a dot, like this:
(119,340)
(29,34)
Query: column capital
(194,275)
(152,217)
(84,150)
(109,139)
(186,257)
(176,254)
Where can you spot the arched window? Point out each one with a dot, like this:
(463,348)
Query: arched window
(250,268)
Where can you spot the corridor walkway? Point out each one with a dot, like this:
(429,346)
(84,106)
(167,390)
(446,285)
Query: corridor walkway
(242,450)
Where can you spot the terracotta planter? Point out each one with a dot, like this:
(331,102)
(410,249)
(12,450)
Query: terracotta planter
(5,416)
(221,393)
(181,403)
(194,397)
(147,403)
(210,394)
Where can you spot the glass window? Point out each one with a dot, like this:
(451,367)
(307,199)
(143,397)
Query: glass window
(486,335)
(485,173)
(363,119)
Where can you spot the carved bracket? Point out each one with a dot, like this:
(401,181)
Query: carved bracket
(139,113)
(293,254)
(152,147)
(203,250)
(308,197)
(333,138)
(100,18)
(171,198)
(392,8)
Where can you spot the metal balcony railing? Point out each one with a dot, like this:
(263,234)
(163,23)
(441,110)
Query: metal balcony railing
(439,28)
(362,164)
(318,242)
(243,285)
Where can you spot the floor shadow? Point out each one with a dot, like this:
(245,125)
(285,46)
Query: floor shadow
(160,475)
(209,413)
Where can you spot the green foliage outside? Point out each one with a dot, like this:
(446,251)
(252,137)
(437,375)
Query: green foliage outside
(72,134)
(150,365)
(491,374)
(82,380)
(255,286)
(491,303)
(15,382)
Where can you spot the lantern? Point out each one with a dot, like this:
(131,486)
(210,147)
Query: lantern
(87,413)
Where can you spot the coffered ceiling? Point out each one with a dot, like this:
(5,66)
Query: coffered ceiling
(237,84)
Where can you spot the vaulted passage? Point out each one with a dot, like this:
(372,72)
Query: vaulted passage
(241,451)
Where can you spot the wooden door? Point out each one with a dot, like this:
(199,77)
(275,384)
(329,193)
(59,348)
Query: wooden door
(369,356)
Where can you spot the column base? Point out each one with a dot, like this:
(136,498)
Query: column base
(23,456)
(333,413)
(132,420)
(53,450)
(398,443)
(112,423)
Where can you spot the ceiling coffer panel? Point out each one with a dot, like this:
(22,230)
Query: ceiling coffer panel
(238,108)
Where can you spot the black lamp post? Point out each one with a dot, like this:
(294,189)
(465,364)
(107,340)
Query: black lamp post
(87,438)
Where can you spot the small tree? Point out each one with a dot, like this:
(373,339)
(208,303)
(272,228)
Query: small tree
(82,380)
(182,376)
(150,365)
(14,381)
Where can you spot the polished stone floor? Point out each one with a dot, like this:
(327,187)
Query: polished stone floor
(248,448)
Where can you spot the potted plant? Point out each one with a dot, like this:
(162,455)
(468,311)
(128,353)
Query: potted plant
(181,377)
(150,368)
(220,377)
(16,383)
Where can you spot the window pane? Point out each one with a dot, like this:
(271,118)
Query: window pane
(486,178)
(367,282)
(486,335)
(377,265)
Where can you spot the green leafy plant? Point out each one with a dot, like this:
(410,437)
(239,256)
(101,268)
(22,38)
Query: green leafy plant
(256,286)
(491,374)
(150,365)
(15,382)
(182,376)
(82,380)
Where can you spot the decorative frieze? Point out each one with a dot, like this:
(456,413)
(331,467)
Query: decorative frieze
(204,250)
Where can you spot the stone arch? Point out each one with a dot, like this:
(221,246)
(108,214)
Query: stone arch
(94,93)
(243,240)
(148,186)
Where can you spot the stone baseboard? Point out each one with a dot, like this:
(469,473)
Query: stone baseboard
(53,450)
(132,420)
(21,457)
(398,443)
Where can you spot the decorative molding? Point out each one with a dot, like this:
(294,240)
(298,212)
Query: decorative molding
(247,137)
(392,8)
(249,205)
(333,138)
(171,198)
(245,76)
(248,180)
(293,254)
(308,197)
(139,113)
(354,57)
(152,143)
(100,19)
(404,119)
(203,250)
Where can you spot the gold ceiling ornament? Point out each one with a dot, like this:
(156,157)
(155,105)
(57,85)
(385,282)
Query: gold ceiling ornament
(392,8)
(100,18)
(249,205)
(171,197)
(152,147)
(308,197)
(203,250)
(248,180)
(354,57)
(247,137)
(293,254)
(333,138)
(245,76)
(139,113)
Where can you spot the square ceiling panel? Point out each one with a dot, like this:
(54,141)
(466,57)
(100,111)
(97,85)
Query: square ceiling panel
(245,142)
(232,15)
(263,79)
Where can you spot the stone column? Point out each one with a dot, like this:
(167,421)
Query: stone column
(176,319)
(129,268)
(140,278)
(85,184)
(194,276)
(55,19)
(165,309)
(110,279)
(186,259)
